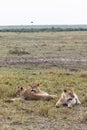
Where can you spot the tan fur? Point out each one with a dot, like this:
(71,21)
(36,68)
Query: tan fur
(69,98)
(32,93)
(36,89)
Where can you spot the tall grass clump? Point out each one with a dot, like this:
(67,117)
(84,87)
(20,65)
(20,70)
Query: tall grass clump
(18,51)
(44,111)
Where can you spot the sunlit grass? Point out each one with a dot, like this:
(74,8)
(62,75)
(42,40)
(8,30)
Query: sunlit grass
(51,80)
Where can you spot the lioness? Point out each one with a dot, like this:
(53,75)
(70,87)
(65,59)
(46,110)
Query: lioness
(68,98)
(35,88)
(33,93)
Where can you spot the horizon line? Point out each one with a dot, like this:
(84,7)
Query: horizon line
(45,25)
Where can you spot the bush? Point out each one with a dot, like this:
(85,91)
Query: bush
(18,51)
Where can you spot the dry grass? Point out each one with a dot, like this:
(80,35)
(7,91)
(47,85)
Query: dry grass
(23,114)
(43,115)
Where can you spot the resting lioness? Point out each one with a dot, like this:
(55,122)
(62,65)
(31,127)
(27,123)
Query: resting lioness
(35,88)
(69,98)
(33,93)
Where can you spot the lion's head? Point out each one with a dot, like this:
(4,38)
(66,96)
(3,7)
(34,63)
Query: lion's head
(20,91)
(34,87)
(69,93)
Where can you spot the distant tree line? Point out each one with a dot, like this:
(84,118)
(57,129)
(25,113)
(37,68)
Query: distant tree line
(52,29)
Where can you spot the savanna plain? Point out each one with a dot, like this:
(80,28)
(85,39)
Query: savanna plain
(55,60)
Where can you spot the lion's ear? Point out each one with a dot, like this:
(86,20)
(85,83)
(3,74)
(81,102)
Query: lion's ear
(38,84)
(21,88)
(30,84)
(65,90)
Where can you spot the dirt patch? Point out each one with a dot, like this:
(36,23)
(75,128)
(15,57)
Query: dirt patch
(67,63)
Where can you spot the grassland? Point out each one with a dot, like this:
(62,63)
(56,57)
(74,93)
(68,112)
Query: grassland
(55,60)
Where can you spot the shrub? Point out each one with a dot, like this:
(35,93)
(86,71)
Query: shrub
(18,51)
